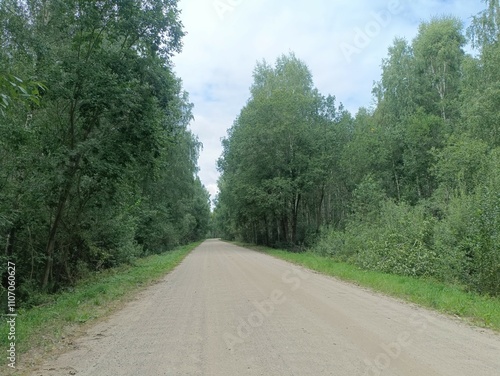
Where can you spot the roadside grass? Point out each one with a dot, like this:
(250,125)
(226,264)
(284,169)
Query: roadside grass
(42,329)
(480,310)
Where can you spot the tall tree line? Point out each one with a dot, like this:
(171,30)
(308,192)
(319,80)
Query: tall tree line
(410,186)
(97,165)
(280,162)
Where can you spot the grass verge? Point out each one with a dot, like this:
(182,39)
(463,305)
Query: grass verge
(43,329)
(477,309)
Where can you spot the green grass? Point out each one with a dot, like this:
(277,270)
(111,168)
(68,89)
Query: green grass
(43,327)
(477,309)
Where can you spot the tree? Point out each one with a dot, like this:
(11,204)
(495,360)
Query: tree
(482,78)
(409,186)
(275,171)
(439,54)
(395,93)
(85,171)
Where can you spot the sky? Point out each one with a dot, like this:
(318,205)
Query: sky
(342,42)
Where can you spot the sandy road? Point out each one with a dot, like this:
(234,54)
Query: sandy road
(230,311)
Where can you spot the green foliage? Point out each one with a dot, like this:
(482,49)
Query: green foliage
(438,51)
(485,28)
(277,177)
(409,187)
(468,236)
(332,243)
(486,239)
(482,76)
(391,238)
(98,166)
(13,88)
(398,242)
(368,198)
(458,165)
(452,243)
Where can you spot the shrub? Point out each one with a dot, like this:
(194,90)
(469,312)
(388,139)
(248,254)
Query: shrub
(400,242)
(468,238)
(331,243)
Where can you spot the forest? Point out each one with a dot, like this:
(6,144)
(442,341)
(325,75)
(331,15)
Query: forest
(409,186)
(97,164)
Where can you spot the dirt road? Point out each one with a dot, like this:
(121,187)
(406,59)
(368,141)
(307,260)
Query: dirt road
(231,311)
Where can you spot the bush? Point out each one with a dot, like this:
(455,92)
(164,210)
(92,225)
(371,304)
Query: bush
(468,238)
(486,241)
(400,242)
(456,239)
(486,229)
(453,243)
(331,243)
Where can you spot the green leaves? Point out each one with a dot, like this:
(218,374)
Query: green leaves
(278,157)
(439,54)
(485,28)
(14,89)
(98,166)
(408,187)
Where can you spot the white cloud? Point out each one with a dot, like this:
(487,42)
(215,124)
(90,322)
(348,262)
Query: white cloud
(221,50)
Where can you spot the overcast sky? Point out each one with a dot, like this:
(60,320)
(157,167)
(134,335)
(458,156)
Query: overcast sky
(342,42)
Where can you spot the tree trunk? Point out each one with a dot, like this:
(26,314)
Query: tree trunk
(295,213)
(396,179)
(11,236)
(284,228)
(319,220)
(49,250)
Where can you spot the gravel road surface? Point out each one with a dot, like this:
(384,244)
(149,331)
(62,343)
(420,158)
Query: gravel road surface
(227,310)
